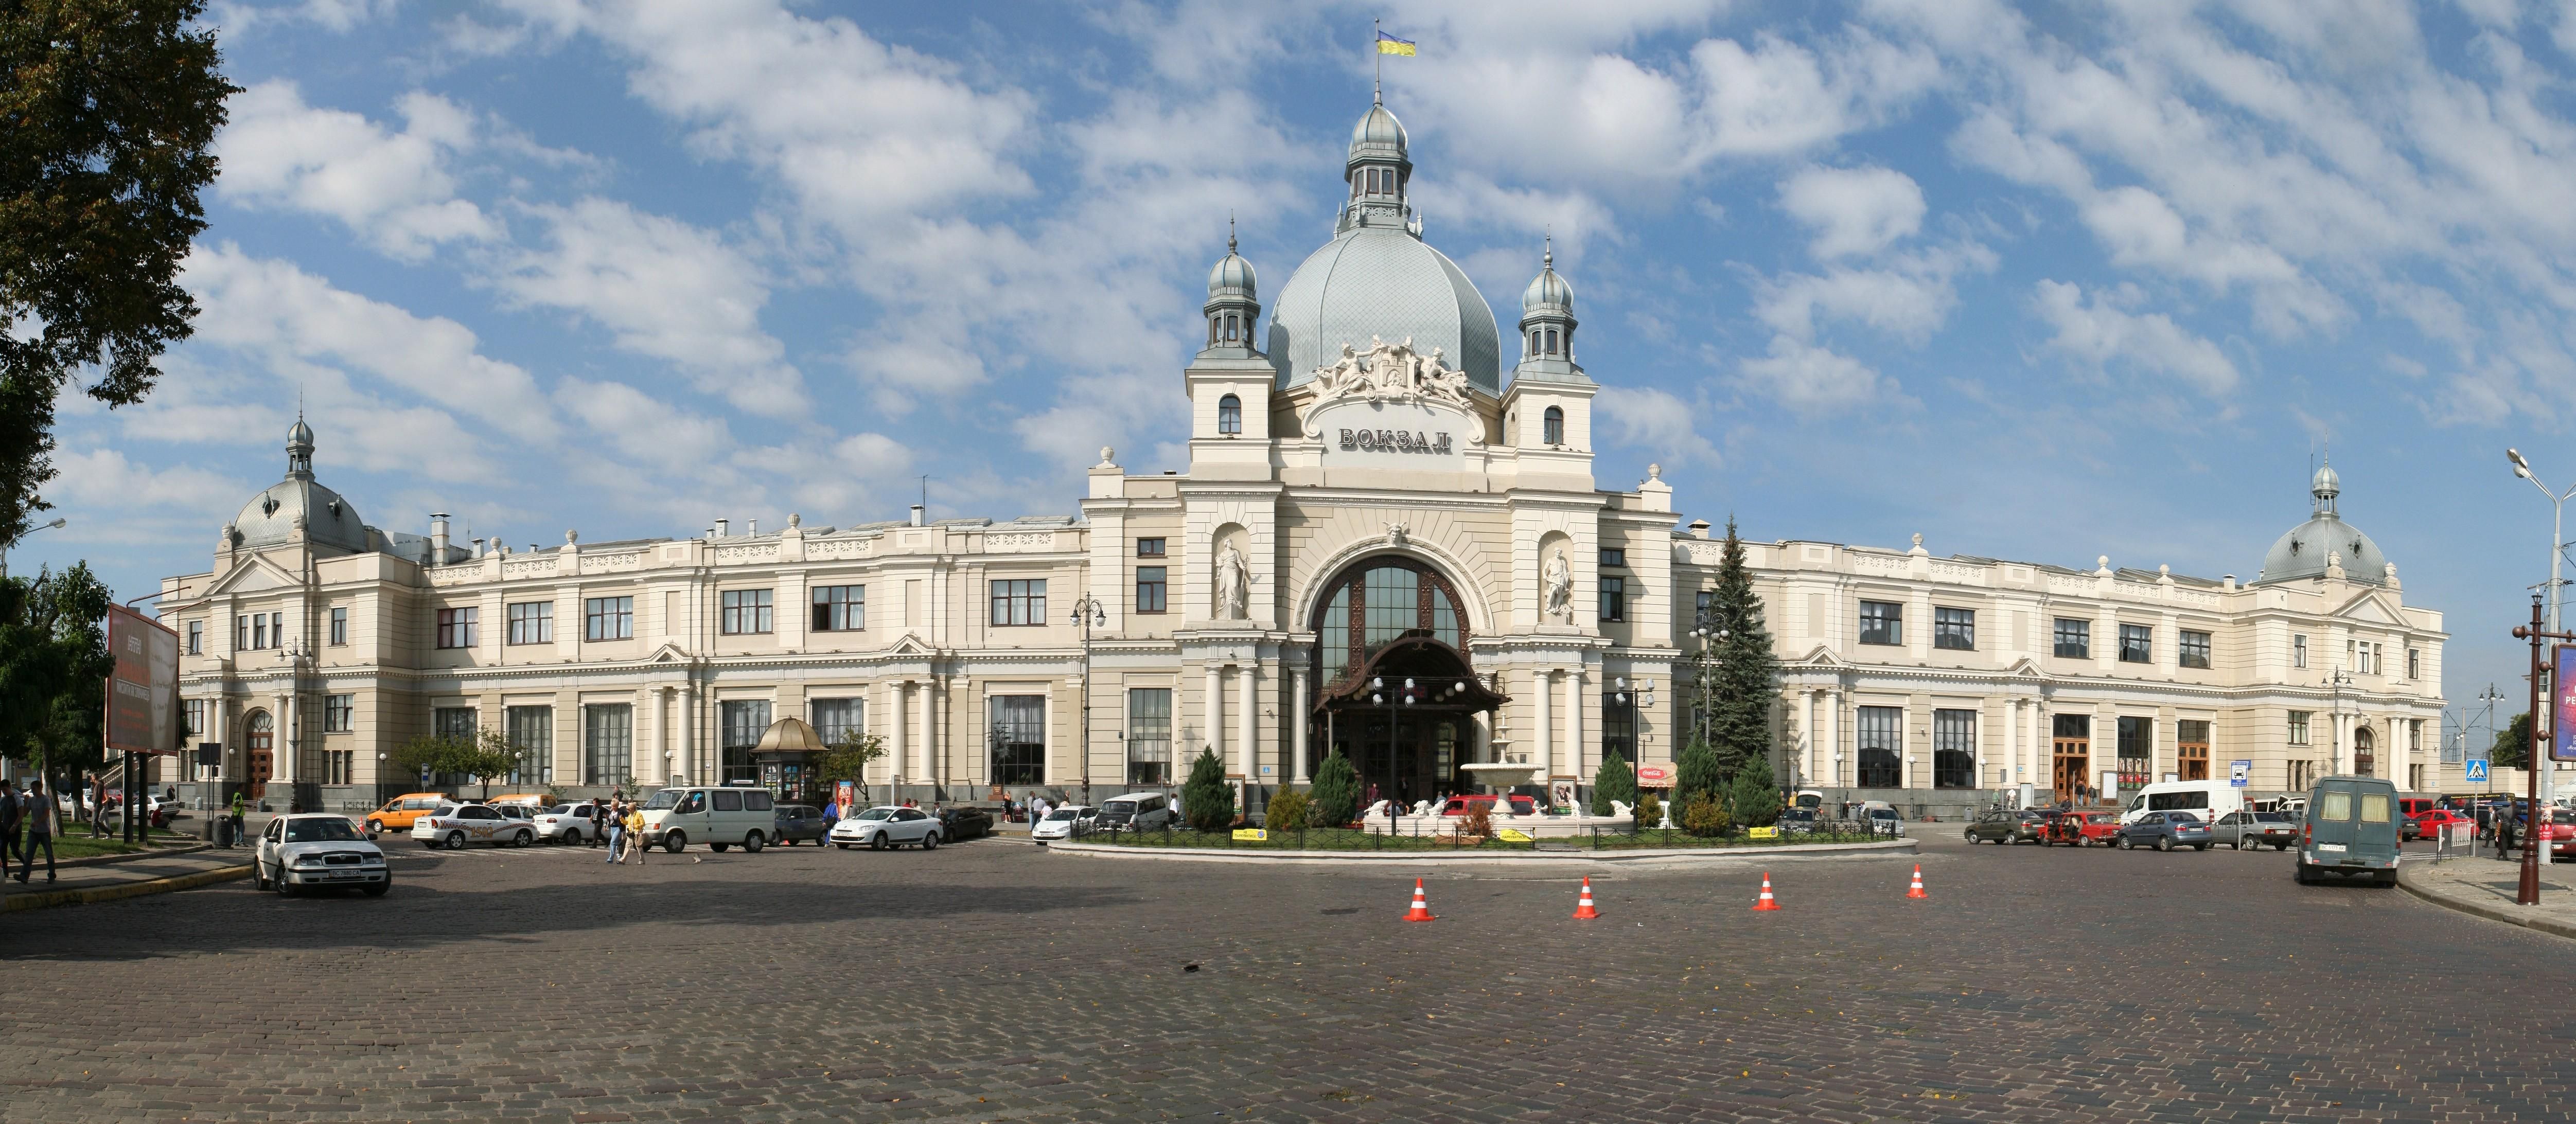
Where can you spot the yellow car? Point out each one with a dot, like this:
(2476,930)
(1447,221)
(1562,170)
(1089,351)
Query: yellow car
(402,811)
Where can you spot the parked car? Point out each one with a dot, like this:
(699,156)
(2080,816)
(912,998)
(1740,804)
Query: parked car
(1884,821)
(1519,805)
(717,816)
(318,850)
(455,825)
(519,812)
(2165,831)
(799,821)
(2350,829)
(2083,829)
(1797,821)
(399,813)
(2429,824)
(888,826)
(532,801)
(2005,825)
(1138,811)
(571,824)
(1059,823)
(2255,829)
(964,821)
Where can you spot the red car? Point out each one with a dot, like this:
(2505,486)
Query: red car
(1459,805)
(2429,824)
(2081,829)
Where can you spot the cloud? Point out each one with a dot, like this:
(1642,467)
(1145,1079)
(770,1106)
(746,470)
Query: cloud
(106,480)
(1656,423)
(1853,210)
(1813,380)
(2101,336)
(392,189)
(1909,296)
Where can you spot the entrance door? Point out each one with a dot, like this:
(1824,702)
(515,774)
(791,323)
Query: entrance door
(2191,750)
(261,752)
(2365,756)
(1408,757)
(2073,753)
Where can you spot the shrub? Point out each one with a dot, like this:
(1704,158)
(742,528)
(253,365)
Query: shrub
(1206,800)
(1754,800)
(1650,811)
(1287,810)
(1478,821)
(1705,817)
(1697,773)
(1615,781)
(1335,798)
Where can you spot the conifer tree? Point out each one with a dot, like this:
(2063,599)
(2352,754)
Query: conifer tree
(1614,781)
(1747,672)
(1697,774)
(1206,800)
(1334,801)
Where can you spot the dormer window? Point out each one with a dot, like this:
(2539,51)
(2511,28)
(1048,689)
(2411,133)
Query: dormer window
(1229,416)
(1552,426)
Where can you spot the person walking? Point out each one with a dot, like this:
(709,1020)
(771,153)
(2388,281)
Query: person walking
(239,805)
(42,819)
(10,817)
(616,821)
(634,826)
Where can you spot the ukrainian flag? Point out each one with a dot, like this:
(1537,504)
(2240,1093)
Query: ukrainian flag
(1390,45)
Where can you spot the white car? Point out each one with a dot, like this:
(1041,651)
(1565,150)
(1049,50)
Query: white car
(887,826)
(570,823)
(1059,822)
(454,825)
(1884,819)
(317,850)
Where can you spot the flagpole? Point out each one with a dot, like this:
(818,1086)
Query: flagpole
(1377,85)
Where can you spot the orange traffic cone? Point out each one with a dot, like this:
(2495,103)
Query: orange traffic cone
(1766,902)
(1917,891)
(1583,910)
(1421,910)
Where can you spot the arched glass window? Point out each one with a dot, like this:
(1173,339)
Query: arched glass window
(1377,603)
(1552,426)
(1229,415)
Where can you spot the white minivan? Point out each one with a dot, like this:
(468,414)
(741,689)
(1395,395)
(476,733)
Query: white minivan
(2206,799)
(717,817)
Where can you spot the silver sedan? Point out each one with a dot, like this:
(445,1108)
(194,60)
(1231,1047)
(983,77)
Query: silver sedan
(887,826)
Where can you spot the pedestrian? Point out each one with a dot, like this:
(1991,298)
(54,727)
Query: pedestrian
(9,817)
(616,832)
(831,816)
(41,819)
(236,817)
(634,825)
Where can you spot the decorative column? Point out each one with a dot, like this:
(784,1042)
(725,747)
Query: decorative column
(281,742)
(1215,710)
(1545,750)
(933,764)
(921,771)
(899,755)
(1807,729)
(685,700)
(1834,732)
(1250,734)
(1574,721)
(1297,723)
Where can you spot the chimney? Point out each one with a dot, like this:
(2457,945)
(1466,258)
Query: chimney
(724,527)
(1699,528)
(437,538)
(478,548)
(751,526)
(916,515)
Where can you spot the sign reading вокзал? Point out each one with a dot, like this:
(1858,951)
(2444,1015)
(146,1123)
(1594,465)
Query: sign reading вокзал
(143,691)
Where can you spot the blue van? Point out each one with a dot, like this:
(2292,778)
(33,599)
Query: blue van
(2350,829)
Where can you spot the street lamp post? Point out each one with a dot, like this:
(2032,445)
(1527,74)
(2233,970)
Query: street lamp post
(2557,547)
(1088,613)
(4,550)
(2338,679)
(2534,842)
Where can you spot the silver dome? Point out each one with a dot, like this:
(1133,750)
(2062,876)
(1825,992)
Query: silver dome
(1378,135)
(272,517)
(1382,281)
(1548,288)
(1232,276)
(2304,551)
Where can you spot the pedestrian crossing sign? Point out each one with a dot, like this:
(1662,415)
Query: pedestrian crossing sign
(2477,768)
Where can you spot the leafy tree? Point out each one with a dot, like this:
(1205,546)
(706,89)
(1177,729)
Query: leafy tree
(1650,811)
(1614,781)
(108,109)
(54,666)
(1706,816)
(1335,798)
(1754,800)
(1698,773)
(1747,672)
(1206,800)
(2513,744)
(483,756)
(847,759)
(1287,810)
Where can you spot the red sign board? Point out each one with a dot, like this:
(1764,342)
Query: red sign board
(143,691)
(1654,776)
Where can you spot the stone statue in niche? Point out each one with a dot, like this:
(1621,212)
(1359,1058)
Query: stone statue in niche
(1559,585)
(1233,584)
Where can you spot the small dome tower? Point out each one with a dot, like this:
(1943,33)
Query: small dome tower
(1547,325)
(1233,304)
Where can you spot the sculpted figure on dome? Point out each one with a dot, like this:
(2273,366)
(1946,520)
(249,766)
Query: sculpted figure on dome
(1337,378)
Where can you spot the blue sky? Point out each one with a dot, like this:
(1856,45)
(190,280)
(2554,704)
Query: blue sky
(2043,283)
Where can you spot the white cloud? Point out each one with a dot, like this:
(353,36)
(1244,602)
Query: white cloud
(1813,380)
(106,480)
(393,189)
(649,432)
(1655,423)
(2101,336)
(1853,210)
(1908,296)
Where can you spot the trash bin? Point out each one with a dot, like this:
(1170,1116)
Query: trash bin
(221,831)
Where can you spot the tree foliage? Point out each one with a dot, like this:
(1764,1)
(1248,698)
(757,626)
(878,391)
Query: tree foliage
(2513,744)
(1614,781)
(1698,773)
(847,759)
(1747,672)
(1705,816)
(1286,811)
(1754,799)
(108,112)
(1207,802)
(486,756)
(1334,800)
(54,665)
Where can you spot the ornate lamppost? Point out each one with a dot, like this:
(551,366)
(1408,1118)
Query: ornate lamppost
(1088,613)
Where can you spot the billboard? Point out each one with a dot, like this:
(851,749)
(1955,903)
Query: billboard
(2562,698)
(143,691)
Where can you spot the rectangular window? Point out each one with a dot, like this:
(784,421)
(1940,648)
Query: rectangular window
(2370,658)
(1151,589)
(1614,599)
(196,638)
(2137,749)
(746,612)
(241,634)
(840,608)
(1149,735)
(196,718)
(1880,730)
(1018,734)
(608,618)
(457,722)
(2299,727)
(1614,556)
(1704,608)
(456,628)
(607,743)
(1955,629)
(2298,651)
(532,622)
(1149,548)
(2414,663)
(339,624)
(340,765)
(531,729)
(2194,649)
(1954,748)
(2137,643)
(837,719)
(2074,638)
(337,711)
(1882,622)
(1019,601)
(1619,726)
(744,722)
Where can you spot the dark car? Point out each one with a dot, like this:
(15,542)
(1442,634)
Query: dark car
(2255,829)
(964,821)
(1798,821)
(2003,825)
(2165,831)
(799,821)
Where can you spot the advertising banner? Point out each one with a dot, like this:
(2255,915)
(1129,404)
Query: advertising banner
(1654,776)
(2562,710)
(143,691)
(845,794)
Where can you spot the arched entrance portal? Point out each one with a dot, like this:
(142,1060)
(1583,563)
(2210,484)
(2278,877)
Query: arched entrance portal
(259,754)
(1395,692)
(2365,752)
